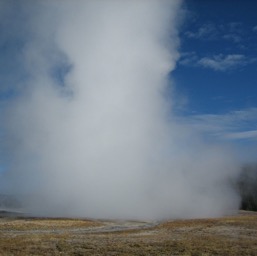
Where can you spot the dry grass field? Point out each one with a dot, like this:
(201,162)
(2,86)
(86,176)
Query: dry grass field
(231,235)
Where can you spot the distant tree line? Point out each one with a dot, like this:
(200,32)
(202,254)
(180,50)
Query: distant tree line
(247,186)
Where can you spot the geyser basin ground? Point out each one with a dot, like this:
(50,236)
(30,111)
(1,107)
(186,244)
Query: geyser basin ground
(230,235)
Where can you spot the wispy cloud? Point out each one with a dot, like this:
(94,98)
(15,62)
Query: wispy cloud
(233,125)
(233,37)
(234,27)
(222,62)
(242,135)
(188,58)
(232,34)
(219,62)
(231,31)
(206,31)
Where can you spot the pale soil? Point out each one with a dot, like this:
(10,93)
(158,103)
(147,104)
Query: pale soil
(231,235)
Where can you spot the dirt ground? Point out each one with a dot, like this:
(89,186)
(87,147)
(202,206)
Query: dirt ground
(230,235)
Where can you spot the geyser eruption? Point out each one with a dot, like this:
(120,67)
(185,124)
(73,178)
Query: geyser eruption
(90,131)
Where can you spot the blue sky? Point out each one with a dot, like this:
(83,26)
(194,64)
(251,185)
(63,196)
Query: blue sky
(218,67)
(217,71)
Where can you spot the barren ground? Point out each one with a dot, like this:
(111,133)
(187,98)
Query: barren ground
(231,235)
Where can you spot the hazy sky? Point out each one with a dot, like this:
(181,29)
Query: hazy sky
(126,109)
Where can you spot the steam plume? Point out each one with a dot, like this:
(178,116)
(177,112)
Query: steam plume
(90,131)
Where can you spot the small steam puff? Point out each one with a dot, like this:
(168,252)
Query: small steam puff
(90,132)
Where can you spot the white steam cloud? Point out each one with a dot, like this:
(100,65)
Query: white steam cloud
(90,132)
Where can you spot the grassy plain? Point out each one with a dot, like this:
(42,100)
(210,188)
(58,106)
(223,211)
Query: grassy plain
(231,235)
